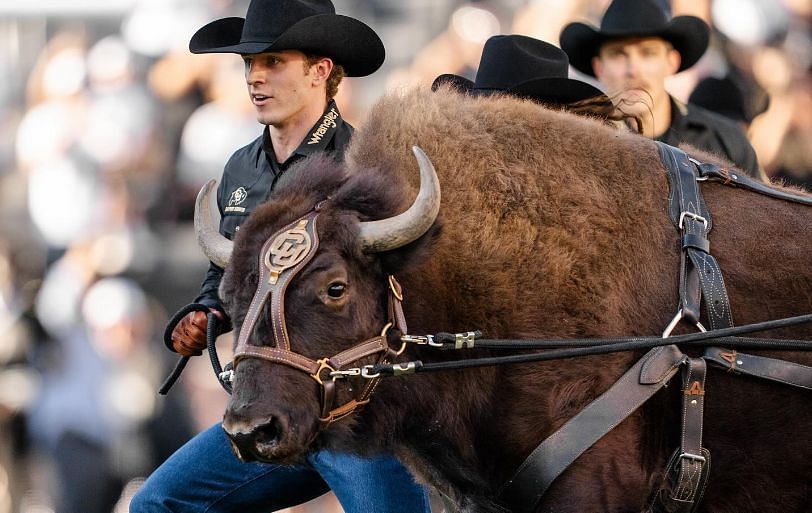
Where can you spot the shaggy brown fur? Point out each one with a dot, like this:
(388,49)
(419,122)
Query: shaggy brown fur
(552,226)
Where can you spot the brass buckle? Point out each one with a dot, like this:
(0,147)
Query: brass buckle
(394,286)
(323,364)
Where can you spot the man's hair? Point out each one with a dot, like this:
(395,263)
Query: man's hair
(335,78)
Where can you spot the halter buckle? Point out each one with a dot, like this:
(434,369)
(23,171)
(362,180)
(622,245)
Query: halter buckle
(323,364)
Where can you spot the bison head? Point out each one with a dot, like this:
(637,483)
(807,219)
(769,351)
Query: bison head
(331,301)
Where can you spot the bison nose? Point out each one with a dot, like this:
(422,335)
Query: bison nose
(258,442)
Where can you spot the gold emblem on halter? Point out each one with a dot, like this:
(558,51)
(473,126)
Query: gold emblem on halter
(695,389)
(287,249)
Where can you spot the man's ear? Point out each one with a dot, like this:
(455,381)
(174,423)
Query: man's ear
(321,70)
(597,67)
(674,60)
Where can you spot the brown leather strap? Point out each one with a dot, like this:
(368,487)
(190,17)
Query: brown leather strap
(274,354)
(773,369)
(525,489)
(355,353)
(687,470)
(288,253)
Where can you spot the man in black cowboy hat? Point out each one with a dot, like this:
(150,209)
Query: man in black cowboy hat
(632,53)
(295,53)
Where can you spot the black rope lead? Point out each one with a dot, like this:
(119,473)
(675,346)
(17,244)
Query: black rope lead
(224,378)
(172,378)
(725,336)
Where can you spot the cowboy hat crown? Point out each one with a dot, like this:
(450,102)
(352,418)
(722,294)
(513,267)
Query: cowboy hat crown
(688,35)
(310,26)
(522,66)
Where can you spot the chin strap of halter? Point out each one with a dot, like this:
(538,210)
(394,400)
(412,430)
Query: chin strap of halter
(283,256)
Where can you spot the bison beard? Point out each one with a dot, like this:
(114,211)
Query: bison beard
(552,226)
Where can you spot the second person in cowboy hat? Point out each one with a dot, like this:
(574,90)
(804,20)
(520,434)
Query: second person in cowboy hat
(632,53)
(529,68)
(296,53)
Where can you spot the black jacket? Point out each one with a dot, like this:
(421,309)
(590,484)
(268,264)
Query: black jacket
(710,132)
(252,173)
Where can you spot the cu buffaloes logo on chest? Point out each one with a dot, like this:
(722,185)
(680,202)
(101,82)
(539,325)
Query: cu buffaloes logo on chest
(236,198)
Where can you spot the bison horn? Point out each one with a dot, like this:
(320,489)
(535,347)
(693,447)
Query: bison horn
(216,247)
(397,231)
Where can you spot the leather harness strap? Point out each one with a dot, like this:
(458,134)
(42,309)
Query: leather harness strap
(782,371)
(688,468)
(730,177)
(700,275)
(525,489)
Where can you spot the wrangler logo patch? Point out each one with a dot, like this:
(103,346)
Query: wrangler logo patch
(327,122)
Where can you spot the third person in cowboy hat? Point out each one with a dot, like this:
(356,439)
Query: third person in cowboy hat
(632,53)
(296,53)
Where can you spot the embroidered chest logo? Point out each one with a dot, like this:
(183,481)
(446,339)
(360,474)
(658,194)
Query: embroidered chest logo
(327,122)
(237,197)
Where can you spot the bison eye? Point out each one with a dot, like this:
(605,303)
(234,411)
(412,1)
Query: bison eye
(336,290)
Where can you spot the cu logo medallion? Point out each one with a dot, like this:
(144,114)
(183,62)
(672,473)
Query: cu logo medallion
(289,248)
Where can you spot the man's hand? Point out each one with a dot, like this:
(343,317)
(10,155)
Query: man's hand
(189,335)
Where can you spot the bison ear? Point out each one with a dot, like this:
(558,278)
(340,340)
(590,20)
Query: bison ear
(413,254)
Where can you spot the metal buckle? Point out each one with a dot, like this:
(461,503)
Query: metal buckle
(394,286)
(673,324)
(695,457)
(322,365)
(693,216)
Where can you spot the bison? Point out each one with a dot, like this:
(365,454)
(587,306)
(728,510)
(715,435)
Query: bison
(550,225)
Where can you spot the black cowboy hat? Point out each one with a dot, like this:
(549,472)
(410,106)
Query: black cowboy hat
(688,35)
(726,97)
(522,66)
(310,26)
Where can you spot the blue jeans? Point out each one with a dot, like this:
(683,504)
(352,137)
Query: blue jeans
(205,476)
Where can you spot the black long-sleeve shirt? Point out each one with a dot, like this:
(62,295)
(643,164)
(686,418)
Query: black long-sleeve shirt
(252,173)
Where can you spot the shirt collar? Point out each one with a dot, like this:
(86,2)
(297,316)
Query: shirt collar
(317,138)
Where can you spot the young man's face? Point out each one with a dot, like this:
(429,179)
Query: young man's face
(281,85)
(634,72)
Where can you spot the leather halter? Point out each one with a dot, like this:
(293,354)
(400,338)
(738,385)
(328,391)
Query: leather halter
(283,256)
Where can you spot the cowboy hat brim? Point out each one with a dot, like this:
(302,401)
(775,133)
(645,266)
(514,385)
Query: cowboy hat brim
(545,90)
(349,42)
(687,34)
(457,82)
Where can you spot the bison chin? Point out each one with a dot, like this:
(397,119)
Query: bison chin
(260,428)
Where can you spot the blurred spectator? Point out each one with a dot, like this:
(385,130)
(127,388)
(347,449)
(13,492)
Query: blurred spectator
(95,416)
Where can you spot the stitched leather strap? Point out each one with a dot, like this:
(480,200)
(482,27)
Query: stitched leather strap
(700,275)
(525,489)
(773,369)
(731,177)
(688,468)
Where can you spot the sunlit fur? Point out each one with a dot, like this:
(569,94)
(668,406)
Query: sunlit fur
(552,226)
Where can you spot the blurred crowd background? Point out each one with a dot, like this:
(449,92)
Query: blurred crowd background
(109,126)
